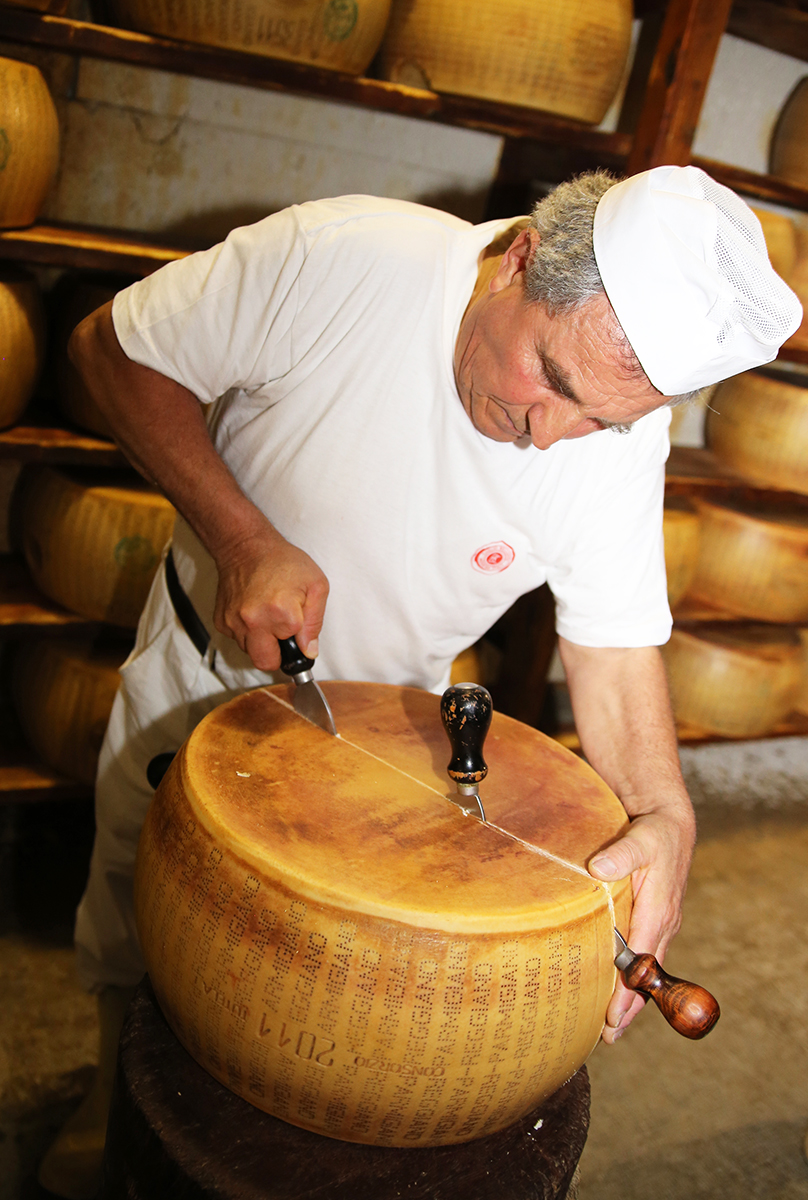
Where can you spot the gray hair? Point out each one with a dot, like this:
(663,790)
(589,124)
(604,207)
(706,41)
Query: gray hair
(562,273)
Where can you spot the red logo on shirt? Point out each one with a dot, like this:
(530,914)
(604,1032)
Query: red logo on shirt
(495,557)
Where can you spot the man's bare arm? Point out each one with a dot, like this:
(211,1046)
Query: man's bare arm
(623,715)
(267,587)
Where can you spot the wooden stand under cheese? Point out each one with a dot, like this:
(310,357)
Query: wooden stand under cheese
(337,942)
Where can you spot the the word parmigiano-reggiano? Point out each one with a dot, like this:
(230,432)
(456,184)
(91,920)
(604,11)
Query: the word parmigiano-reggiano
(339,944)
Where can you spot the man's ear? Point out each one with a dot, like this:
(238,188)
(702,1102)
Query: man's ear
(515,259)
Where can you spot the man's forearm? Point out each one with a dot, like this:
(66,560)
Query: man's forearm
(161,429)
(624,720)
(267,588)
(622,710)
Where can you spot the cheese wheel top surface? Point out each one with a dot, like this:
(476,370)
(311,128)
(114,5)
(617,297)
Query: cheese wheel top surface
(363,819)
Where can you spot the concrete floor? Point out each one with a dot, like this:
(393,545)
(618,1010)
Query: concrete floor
(724,1118)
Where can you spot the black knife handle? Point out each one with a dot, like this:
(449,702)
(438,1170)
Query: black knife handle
(293,662)
(465,710)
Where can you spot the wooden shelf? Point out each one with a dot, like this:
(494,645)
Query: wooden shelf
(43,442)
(794,725)
(689,466)
(24,779)
(22,605)
(259,71)
(759,187)
(82,248)
(776,26)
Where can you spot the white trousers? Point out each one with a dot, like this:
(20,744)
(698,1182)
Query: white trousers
(166,689)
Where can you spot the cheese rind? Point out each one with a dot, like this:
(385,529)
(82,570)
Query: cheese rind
(338,943)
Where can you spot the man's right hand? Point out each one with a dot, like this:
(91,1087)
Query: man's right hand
(270,589)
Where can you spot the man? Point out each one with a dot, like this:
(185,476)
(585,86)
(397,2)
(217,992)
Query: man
(405,427)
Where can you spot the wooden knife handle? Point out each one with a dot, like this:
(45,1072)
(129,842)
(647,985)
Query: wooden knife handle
(466,710)
(293,662)
(690,1009)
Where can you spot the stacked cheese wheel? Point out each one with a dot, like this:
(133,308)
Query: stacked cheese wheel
(753,558)
(74,299)
(758,427)
(788,157)
(63,693)
(29,143)
(22,340)
(736,681)
(93,541)
(563,58)
(340,34)
(339,944)
(680,526)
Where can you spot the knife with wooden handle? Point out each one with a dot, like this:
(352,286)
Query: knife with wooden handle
(309,700)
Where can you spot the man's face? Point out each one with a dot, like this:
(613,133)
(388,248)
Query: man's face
(520,371)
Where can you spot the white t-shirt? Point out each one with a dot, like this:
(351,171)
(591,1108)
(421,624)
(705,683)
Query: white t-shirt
(322,339)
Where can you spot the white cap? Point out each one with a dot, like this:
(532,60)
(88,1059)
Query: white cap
(684,263)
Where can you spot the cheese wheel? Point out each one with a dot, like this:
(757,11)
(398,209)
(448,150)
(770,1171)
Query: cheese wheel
(343,35)
(680,526)
(22,342)
(788,158)
(29,143)
(733,681)
(75,299)
(753,558)
(93,540)
(758,427)
(781,240)
(63,694)
(559,57)
(338,943)
(801,701)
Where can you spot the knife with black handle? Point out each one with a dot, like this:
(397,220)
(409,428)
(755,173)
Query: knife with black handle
(309,700)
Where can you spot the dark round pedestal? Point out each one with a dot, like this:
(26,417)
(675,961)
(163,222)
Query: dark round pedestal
(175,1132)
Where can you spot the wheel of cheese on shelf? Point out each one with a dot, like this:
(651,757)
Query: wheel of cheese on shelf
(801,702)
(29,143)
(781,240)
(753,558)
(758,427)
(680,526)
(338,943)
(342,35)
(559,57)
(93,540)
(788,157)
(22,341)
(736,681)
(63,692)
(75,299)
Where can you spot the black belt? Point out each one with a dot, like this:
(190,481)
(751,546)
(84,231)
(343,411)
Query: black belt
(186,613)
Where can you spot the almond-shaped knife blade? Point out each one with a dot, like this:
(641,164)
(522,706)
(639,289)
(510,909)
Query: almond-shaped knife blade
(308,698)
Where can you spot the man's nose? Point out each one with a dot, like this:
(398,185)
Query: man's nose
(552,421)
